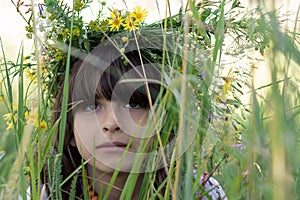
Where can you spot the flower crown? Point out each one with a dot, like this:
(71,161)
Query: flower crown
(58,22)
(56,26)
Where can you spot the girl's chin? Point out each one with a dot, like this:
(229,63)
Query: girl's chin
(111,166)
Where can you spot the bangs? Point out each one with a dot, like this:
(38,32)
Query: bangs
(118,82)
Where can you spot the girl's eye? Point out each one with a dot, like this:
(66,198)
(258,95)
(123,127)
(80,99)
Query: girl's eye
(92,107)
(133,105)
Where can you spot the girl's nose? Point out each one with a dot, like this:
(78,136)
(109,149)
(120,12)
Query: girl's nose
(110,122)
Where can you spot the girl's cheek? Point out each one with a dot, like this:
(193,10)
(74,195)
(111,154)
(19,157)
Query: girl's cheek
(139,116)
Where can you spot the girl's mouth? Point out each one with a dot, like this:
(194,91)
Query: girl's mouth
(112,146)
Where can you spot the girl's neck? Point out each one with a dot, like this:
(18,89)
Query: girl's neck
(100,179)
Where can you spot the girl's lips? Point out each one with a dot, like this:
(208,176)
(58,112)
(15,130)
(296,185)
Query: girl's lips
(112,145)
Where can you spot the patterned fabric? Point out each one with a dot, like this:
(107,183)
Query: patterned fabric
(213,188)
(209,184)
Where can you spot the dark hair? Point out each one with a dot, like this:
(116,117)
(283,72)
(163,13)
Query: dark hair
(97,76)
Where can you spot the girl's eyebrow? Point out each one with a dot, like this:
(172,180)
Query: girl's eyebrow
(99,97)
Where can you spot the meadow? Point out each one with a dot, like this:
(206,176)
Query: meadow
(247,137)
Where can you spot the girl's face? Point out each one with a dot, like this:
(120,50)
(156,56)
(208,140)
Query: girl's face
(108,130)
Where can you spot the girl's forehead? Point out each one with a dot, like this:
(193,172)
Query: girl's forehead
(117,80)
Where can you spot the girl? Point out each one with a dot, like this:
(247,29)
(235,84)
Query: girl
(115,124)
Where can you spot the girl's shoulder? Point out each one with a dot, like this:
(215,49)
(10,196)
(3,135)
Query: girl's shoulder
(212,187)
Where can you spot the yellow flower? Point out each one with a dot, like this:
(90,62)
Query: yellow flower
(10,125)
(226,88)
(139,14)
(58,56)
(7,116)
(42,125)
(104,25)
(1,99)
(78,5)
(30,75)
(29,29)
(114,14)
(130,24)
(65,32)
(94,25)
(76,32)
(124,39)
(115,22)
(122,50)
(26,170)
(26,114)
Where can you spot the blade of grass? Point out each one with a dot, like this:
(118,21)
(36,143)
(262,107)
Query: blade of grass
(34,190)
(64,108)
(49,140)
(62,125)
(20,120)
(182,125)
(13,182)
(23,183)
(8,89)
(85,182)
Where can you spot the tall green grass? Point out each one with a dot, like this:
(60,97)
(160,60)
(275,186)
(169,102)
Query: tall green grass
(250,147)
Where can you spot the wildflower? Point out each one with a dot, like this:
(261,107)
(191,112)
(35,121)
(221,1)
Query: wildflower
(65,32)
(29,29)
(10,125)
(7,116)
(30,75)
(130,24)
(42,125)
(26,114)
(115,22)
(122,50)
(104,25)
(124,39)
(58,56)
(1,98)
(29,35)
(42,11)
(202,76)
(226,87)
(76,32)
(26,170)
(94,25)
(114,13)
(245,173)
(239,146)
(78,5)
(139,14)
